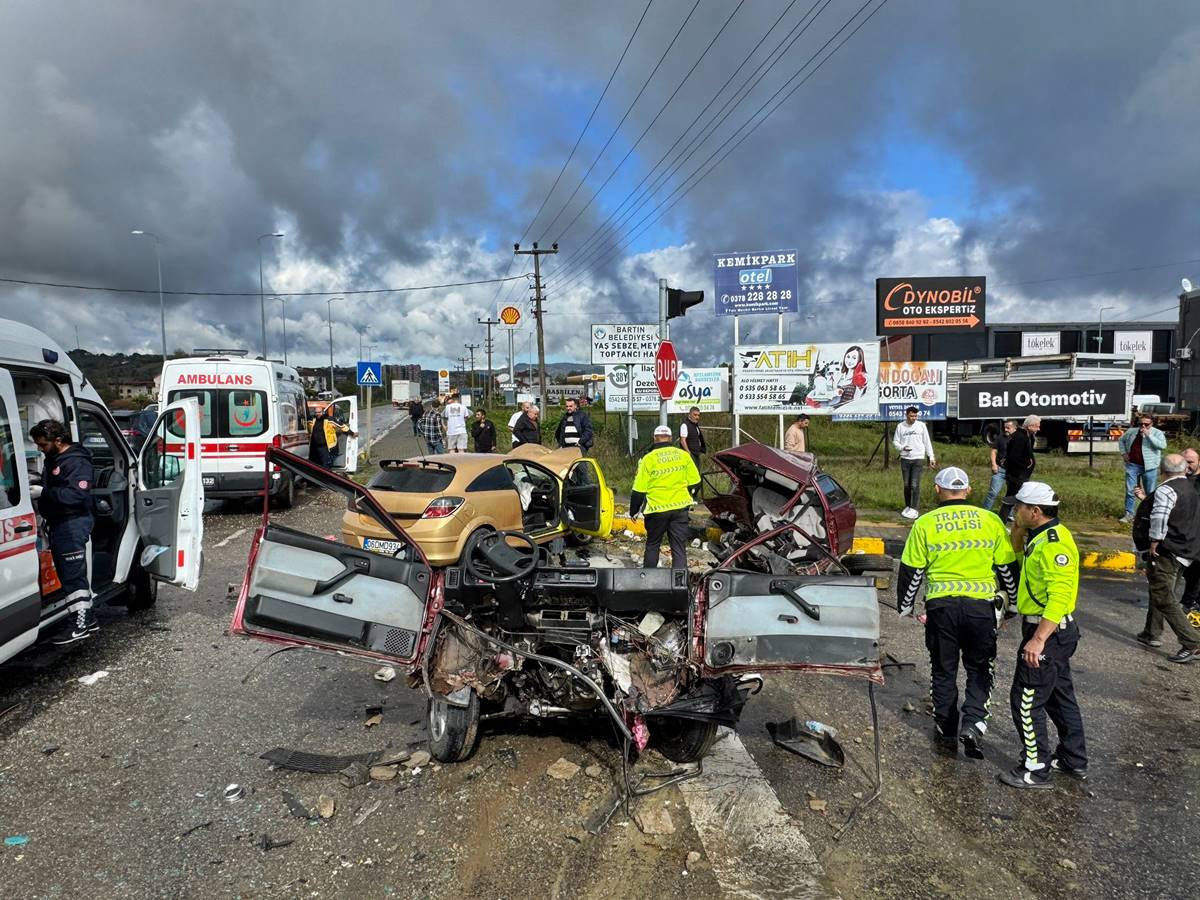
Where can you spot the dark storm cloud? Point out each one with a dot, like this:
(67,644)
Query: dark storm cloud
(389,140)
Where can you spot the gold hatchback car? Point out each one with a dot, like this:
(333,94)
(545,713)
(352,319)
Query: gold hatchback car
(442,500)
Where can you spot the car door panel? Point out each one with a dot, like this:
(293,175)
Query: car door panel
(311,589)
(759,621)
(587,500)
(169,501)
(20,595)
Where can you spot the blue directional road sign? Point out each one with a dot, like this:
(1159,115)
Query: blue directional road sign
(370,374)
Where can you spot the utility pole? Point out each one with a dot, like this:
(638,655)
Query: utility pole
(471,348)
(487,385)
(537,310)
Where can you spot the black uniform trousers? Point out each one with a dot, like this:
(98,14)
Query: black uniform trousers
(68,548)
(673,524)
(960,627)
(1048,691)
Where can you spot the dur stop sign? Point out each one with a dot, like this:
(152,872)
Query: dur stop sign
(666,370)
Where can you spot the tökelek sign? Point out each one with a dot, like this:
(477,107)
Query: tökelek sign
(1076,399)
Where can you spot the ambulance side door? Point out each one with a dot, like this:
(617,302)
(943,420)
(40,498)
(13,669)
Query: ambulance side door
(20,595)
(169,501)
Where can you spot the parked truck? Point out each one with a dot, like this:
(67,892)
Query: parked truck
(405,392)
(1074,393)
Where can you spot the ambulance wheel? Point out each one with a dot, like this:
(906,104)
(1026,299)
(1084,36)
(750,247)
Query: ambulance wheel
(286,496)
(682,740)
(453,730)
(142,592)
(867,562)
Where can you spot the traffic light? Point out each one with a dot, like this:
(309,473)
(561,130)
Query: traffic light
(679,301)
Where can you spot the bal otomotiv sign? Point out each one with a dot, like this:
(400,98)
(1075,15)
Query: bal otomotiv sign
(1076,399)
(918,305)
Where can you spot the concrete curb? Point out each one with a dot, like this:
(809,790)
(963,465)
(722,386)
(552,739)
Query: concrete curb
(1105,560)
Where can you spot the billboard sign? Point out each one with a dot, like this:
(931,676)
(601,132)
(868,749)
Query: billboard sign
(1138,344)
(623,344)
(1074,399)
(705,388)
(905,384)
(759,283)
(922,305)
(1040,343)
(820,379)
(616,388)
(509,315)
(443,381)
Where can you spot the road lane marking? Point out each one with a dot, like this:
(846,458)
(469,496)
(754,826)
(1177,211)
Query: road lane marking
(752,844)
(237,534)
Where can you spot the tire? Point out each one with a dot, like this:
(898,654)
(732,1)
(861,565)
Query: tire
(453,730)
(682,740)
(142,592)
(285,497)
(867,562)
(575,539)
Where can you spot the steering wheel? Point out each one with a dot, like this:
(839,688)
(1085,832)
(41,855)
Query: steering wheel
(504,563)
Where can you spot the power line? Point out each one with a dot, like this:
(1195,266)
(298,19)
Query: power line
(586,244)
(718,119)
(391,290)
(744,131)
(628,110)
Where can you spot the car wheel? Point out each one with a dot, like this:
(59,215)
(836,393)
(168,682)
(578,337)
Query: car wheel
(575,539)
(141,592)
(867,562)
(286,496)
(453,730)
(682,740)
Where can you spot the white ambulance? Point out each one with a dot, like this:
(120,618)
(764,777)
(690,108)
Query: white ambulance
(147,504)
(246,406)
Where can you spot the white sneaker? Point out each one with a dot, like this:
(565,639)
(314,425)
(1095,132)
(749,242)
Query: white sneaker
(909,513)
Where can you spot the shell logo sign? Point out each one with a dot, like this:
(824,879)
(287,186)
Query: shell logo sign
(510,316)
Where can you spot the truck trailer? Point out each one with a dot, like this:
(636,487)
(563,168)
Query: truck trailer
(405,392)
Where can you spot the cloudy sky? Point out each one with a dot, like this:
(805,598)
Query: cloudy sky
(407,144)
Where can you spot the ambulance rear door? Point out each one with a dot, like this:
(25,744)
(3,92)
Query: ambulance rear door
(20,596)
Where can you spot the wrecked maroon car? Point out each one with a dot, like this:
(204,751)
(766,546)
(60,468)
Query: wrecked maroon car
(798,518)
(516,629)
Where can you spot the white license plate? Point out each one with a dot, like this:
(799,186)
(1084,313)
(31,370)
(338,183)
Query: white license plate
(390,548)
(209,481)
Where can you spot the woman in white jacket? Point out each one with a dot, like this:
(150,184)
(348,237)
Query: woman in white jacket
(914,444)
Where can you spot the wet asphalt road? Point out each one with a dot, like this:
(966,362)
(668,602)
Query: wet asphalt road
(106,782)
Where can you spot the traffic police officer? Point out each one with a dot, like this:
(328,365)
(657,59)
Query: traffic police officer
(1042,683)
(961,549)
(65,504)
(662,489)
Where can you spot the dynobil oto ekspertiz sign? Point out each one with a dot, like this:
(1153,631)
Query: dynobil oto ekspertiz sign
(1075,399)
(624,344)
(920,305)
(757,283)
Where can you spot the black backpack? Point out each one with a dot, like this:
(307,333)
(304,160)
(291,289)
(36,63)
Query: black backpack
(1141,523)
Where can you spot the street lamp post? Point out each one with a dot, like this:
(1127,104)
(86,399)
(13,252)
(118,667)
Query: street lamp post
(162,309)
(1100,328)
(283,317)
(262,301)
(329,310)
(1099,346)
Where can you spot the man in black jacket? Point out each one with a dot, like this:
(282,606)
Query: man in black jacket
(526,431)
(484,433)
(1174,547)
(416,409)
(65,503)
(575,428)
(1019,462)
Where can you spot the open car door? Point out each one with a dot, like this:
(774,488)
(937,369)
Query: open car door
(759,622)
(308,590)
(169,500)
(587,501)
(345,412)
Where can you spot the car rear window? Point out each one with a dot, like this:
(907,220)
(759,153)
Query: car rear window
(412,479)
(834,492)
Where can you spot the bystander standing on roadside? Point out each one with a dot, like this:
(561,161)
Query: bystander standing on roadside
(432,431)
(1174,546)
(1019,462)
(691,435)
(912,441)
(574,428)
(416,409)
(1141,447)
(514,418)
(484,433)
(527,430)
(999,451)
(455,415)
(795,439)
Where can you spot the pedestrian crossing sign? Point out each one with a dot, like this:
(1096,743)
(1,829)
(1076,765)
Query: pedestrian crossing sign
(370,374)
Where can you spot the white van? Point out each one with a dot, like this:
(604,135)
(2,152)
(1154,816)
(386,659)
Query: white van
(246,406)
(147,505)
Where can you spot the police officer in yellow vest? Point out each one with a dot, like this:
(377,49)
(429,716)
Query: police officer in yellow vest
(1042,684)
(662,490)
(960,549)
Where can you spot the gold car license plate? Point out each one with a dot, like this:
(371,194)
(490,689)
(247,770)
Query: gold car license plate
(387,548)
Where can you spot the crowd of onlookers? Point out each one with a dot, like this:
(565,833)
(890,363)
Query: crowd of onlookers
(445,424)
